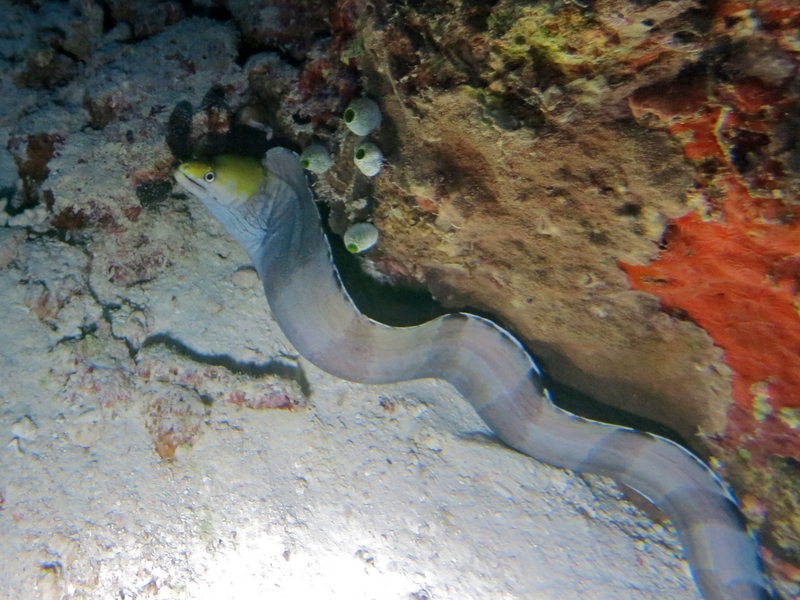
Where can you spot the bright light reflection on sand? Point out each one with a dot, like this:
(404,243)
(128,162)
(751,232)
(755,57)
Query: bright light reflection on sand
(259,565)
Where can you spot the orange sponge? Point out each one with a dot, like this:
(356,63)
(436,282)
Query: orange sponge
(738,279)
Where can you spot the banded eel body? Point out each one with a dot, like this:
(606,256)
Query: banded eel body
(271,212)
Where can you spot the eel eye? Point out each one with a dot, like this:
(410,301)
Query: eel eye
(210,177)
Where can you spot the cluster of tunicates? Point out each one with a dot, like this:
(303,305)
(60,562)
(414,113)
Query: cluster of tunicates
(362,116)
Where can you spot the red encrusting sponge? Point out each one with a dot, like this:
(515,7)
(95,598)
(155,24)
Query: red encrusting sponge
(738,279)
(733,265)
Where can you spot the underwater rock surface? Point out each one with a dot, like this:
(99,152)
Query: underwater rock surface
(615,182)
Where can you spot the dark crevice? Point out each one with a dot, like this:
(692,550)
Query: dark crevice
(214,12)
(401,307)
(241,139)
(387,303)
(68,237)
(84,332)
(108,19)
(578,403)
(587,407)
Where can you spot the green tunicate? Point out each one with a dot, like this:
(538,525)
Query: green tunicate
(360,237)
(316,158)
(368,158)
(362,115)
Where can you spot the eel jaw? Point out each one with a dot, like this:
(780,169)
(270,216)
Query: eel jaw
(189,184)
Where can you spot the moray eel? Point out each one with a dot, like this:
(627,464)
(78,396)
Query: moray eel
(269,209)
